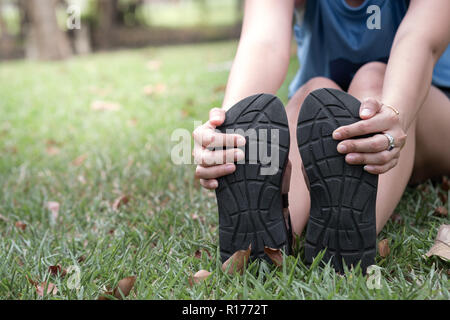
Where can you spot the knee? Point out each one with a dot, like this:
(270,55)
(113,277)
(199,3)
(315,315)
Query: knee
(296,101)
(368,80)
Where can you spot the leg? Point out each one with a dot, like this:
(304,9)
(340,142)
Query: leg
(299,201)
(432,138)
(368,82)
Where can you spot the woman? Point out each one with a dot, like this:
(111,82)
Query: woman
(398,66)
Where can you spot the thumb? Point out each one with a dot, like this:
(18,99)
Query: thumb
(216,116)
(369,108)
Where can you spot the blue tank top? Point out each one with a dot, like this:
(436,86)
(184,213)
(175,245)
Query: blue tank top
(334,40)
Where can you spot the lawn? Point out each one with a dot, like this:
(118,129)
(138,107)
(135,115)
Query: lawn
(94,135)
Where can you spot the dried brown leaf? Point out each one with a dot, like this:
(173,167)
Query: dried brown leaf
(383,248)
(21,225)
(53,206)
(443,197)
(198,253)
(52,150)
(122,200)
(200,276)
(220,88)
(445,183)
(441,211)
(441,246)
(57,270)
(275,255)
(51,289)
(81,258)
(100,105)
(79,160)
(153,65)
(124,287)
(237,262)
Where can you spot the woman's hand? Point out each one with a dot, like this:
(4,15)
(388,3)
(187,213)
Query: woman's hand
(373,151)
(214,164)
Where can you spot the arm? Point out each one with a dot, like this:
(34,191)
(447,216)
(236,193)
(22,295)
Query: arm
(421,39)
(260,66)
(262,58)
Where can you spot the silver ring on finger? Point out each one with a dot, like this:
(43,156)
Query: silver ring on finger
(391,141)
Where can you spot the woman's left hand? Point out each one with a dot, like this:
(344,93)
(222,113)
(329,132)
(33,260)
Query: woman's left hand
(373,151)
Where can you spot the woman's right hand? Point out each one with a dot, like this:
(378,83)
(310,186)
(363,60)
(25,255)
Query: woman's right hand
(214,164)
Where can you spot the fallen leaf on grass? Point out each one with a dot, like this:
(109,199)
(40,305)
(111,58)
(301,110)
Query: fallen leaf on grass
(51,288)
(198,253)
(443,197)
(21,225)
(123,288)
(396,218)
(220,88)
(445,183)
(159,88)
(53,206)
(81,258)
(441,246)
(153,65)
(441,211)
(40,287)
(100,105)
(52,150)
(237,262)
(383,248)
(275,255)
(199,276)
(120,201)
(57,270)
(79,160)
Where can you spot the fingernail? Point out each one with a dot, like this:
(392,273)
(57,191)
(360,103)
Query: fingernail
(215,118)
(241,141)
(367,168)
(229,167)
(240,155)
(365,112)
(350,157)
(337,135)
(342,148)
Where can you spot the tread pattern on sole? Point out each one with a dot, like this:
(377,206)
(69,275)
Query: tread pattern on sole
(343,196)
(249,203)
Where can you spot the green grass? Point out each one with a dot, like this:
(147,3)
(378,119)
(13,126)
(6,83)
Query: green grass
(192,13)
(46,107)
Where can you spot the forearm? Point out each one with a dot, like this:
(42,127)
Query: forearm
(408,77)
(256,69)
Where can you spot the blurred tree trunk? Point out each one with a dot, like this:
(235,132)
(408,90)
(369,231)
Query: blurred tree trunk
(108,14)
(44,39)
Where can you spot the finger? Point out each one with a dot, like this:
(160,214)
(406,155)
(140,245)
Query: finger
(381,169)
(209,184)
(379,158)
(208,158)
(377,123)
(377,143)
(369,108)
(215,139)
(215,171)
(216,116)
